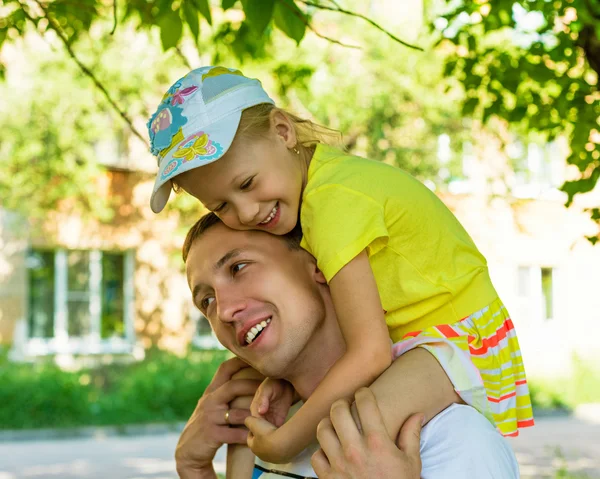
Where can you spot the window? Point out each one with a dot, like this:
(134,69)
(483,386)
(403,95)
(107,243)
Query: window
(80,301)
(204,337)
(535,286)
(547,294)
(41,294)
(524,280)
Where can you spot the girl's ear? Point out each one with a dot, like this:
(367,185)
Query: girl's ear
(283,128)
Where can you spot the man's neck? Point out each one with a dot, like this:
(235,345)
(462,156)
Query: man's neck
(325,347)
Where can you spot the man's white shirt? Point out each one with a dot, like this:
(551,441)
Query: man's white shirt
(458,443)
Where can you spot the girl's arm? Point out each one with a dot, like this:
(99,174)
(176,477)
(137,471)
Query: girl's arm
(240,459)
(361,319)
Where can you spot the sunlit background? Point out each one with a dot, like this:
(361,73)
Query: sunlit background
(102,353)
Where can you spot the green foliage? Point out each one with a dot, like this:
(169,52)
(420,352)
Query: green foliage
(534,64)
(581,387)
(290,19)
(56,127)
(161,388)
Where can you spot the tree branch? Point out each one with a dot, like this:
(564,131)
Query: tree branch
(114,28)
(183,58)
(312,29)
(54,26)
(366,19)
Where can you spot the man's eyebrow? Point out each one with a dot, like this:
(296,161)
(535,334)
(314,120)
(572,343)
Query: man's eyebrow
(218,265)
(226,257)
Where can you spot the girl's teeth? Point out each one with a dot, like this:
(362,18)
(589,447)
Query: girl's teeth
(271,215)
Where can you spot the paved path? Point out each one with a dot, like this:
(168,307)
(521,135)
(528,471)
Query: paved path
(539,451)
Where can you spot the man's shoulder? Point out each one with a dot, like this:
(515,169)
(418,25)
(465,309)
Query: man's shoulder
(460,442)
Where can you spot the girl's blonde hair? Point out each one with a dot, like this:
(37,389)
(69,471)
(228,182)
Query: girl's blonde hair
(256,121)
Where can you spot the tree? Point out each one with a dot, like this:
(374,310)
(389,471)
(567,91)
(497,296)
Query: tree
(534,64)
(71,20)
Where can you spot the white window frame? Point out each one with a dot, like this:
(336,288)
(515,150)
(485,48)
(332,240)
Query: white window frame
(92,343)
(203,341)
(535,294)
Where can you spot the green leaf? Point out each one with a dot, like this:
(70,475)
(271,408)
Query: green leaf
(227,4)
(191,17)
(290,19)
(171,28)
(204,9)
(258,13)
(3,32)
(469,106)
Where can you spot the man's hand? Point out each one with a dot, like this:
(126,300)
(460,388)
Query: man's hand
(349,453)
(272,401)
(206,430)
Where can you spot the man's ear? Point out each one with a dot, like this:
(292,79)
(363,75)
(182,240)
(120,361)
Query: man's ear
(318,276)
(284,128)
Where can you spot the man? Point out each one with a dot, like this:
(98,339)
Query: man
(268,303)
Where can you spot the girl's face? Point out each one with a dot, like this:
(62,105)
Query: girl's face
(257,184)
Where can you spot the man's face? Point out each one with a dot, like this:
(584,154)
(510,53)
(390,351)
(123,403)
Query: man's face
(246,281)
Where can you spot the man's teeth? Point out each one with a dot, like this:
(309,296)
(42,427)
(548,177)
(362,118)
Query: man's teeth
(271,215)
(250,335)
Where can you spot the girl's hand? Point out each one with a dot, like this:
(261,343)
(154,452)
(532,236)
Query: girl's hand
(268,442)
(272,401)
(349,453)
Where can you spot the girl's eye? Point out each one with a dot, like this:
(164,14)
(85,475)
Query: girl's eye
(246,184)
(220,207)
(206,302)
(236,268)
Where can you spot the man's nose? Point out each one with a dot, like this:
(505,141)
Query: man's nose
(230,305)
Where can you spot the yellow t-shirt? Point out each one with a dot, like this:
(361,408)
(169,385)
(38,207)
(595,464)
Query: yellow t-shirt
(427,268)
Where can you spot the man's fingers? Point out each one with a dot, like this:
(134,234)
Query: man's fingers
(231,435)
(236,417)
(328,439)
(235,388)
(342,421)
(368,412)
(320,464)
(409,438)
(224,372)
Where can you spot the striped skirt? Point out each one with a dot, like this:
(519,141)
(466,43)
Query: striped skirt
(482,358)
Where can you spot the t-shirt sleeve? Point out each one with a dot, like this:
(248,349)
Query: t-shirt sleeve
(338,223)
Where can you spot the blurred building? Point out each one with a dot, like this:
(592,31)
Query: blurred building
(102,291)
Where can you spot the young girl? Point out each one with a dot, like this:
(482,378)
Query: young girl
(398,263)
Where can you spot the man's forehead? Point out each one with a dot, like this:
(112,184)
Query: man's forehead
(219,241)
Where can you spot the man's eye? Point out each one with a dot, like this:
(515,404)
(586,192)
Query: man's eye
(246,184)
(206,302)
(236,268)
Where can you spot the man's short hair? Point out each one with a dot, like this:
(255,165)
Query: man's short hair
(292,238)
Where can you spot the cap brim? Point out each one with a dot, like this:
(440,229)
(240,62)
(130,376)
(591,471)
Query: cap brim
(220,135)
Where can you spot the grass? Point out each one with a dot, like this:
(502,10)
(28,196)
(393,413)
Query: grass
(582,387)
(162,388)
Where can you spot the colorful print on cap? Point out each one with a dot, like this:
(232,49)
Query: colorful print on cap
(198,146)
(163,125)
